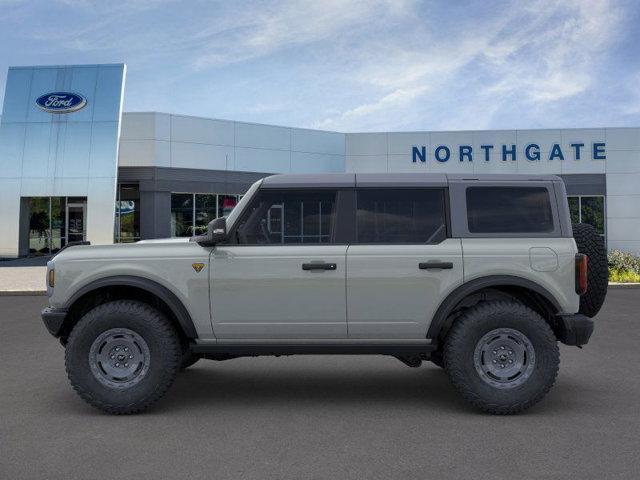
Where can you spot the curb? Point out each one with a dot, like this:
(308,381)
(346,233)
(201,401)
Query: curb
(624,285)
(22,293)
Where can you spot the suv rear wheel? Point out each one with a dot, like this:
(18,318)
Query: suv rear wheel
(501,356)
(122,356)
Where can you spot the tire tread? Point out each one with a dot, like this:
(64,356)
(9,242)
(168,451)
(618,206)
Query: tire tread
(459,334)
(164,330)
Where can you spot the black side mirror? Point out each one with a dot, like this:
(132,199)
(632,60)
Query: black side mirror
(217,230)
(216,233)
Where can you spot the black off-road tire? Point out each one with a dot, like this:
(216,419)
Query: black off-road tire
(460,353)
(592,244)
(151,328)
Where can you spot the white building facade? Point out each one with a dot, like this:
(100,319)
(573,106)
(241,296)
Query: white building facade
(173,173)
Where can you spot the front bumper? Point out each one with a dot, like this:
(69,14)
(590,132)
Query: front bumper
(53,319)
(574,329)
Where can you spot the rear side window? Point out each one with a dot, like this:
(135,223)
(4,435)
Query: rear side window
(401,216)
(509,210)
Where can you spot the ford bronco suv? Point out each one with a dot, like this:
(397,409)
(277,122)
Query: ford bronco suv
(481,275)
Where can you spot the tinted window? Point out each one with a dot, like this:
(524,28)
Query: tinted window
(285,217)
(400,216)
(509,210)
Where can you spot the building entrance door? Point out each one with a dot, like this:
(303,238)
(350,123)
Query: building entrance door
(76,220)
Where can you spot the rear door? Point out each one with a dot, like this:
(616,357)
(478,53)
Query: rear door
(402,263)
(284,275)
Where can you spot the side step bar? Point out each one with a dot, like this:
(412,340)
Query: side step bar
(258,349)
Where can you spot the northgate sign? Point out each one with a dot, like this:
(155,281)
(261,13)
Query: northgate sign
(531,152)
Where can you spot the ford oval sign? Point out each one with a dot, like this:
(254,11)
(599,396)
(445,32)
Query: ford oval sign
(61,102)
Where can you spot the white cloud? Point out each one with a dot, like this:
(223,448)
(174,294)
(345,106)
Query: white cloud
(534,54)
(286,24)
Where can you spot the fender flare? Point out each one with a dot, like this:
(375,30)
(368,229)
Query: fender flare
(160,291)
(439,321)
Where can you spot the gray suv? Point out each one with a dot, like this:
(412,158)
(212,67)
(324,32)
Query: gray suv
(480,275)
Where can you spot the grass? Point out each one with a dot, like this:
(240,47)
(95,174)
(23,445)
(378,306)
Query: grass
(623,276)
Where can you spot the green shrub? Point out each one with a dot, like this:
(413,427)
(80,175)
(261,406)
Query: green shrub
(621,276)
(623,267)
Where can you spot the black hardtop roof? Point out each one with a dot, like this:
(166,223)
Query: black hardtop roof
(344,180)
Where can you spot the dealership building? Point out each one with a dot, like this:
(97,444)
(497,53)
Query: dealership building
(74,166)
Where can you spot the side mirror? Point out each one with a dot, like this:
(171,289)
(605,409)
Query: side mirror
(217,230)
(216,233)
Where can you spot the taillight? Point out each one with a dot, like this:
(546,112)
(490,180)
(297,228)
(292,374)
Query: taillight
(581,273)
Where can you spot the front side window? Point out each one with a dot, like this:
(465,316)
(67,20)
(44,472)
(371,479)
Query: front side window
(400,216)
(509,210)
(288,217)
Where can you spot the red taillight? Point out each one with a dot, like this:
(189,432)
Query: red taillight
(581,273)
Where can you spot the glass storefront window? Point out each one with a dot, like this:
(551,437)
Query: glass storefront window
(54,222)
(588,209)
(226,203)
(39,226)
(574,209)
(205,212)
(191,212)
(58,224)
(181,214)
(128,214)
(592,212)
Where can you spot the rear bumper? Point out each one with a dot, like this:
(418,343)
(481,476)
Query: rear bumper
(53,319)
(574,330)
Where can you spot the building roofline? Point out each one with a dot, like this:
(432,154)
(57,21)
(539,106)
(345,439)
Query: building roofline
(229,120)
(84,65)
(153,112)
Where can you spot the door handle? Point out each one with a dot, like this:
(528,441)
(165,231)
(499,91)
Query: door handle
(435,265)
(319,266)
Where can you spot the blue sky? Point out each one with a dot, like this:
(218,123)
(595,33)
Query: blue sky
(351,65)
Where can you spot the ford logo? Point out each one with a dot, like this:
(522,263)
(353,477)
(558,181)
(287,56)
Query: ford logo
(61,102)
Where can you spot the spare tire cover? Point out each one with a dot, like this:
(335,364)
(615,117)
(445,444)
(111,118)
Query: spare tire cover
(591,244)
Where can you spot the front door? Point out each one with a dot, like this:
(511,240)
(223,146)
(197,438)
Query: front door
(402,265)
(76,216)
(282,276)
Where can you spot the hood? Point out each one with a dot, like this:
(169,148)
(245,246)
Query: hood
(166,240)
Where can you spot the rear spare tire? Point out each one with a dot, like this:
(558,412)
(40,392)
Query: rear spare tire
(591,244)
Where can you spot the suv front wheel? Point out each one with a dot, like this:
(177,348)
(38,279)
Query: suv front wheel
(501,356)
(122,356)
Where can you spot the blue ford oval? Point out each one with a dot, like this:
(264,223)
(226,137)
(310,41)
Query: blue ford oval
(61,102)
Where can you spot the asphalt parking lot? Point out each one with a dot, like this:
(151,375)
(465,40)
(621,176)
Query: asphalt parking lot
(334,417)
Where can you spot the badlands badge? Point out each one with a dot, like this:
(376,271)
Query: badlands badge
(197,267)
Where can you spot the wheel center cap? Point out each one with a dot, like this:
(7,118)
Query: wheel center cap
(121,357)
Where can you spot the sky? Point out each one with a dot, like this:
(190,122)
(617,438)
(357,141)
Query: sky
(351,65)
